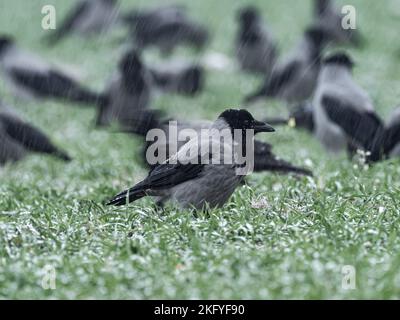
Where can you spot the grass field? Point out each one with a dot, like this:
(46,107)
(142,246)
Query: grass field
(295,246)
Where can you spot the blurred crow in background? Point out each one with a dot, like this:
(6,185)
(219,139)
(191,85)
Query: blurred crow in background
(337,89)
(294,78)
(129,90)
(256,49)
(366,131)
(165,28)
(185,79)
(19,138)
(197,182)
(87,17)
(31,77)
(329,18)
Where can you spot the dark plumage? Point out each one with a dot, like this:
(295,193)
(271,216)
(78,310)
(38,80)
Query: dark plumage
(87,17)
(294,78)
(366,131)
(18,138)
(129,90)
(264,158)
(165,28)
(32,77)
(184,79)
(329,18)
(255,47)
(194,182)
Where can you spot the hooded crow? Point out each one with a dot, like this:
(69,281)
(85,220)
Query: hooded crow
(337,88)
(366,131)
(129,90)
(329,18)
(189,178)
(31,77)
(87,17)
(165,28)
(294,79)
(18,138)
(146,120)
(180,79)
(256,49)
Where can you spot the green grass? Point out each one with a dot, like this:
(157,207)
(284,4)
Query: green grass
(293,247)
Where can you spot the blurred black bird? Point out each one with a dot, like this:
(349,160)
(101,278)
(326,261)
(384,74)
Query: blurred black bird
(87,17)
(18,138)
(194,181)
(165,28)
(255,47)
(184,79)
(31,77)
(134,84)
(337,88)
(366,131)
(146,120)
(329,18)
(129,90)
(294,79)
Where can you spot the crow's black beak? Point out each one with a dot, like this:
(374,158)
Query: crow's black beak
(262,127)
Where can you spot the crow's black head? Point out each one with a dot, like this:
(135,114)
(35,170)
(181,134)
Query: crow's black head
(242,120)
(248,15)
(318,36)
(5,42)
(340,59)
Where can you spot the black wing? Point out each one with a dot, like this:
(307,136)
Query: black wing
(364,128)
(53,84)
(266,160)
(161,177)
(70,21)
(30,137)
(278,80)
(392,137)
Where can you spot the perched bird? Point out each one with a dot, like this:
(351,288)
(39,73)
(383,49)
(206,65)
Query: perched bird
(366,131)
(178,78)
(32,77)
(294,78)
(336,87)
(165,28)
(194,181)
(86,18)
(329,18)
(255,47)
(18,138)
(129,90)
(146,120)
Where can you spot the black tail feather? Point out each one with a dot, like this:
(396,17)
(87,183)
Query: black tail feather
(126,197)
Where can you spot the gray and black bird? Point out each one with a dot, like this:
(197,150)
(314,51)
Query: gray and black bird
(256,49)
(19,138)
(366,131)
(146,120)
(129,90)
(165,28)
(295,77)
(328,17)
(194,181)
(87,18)
(30,77)
(183,79)
(337,88)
